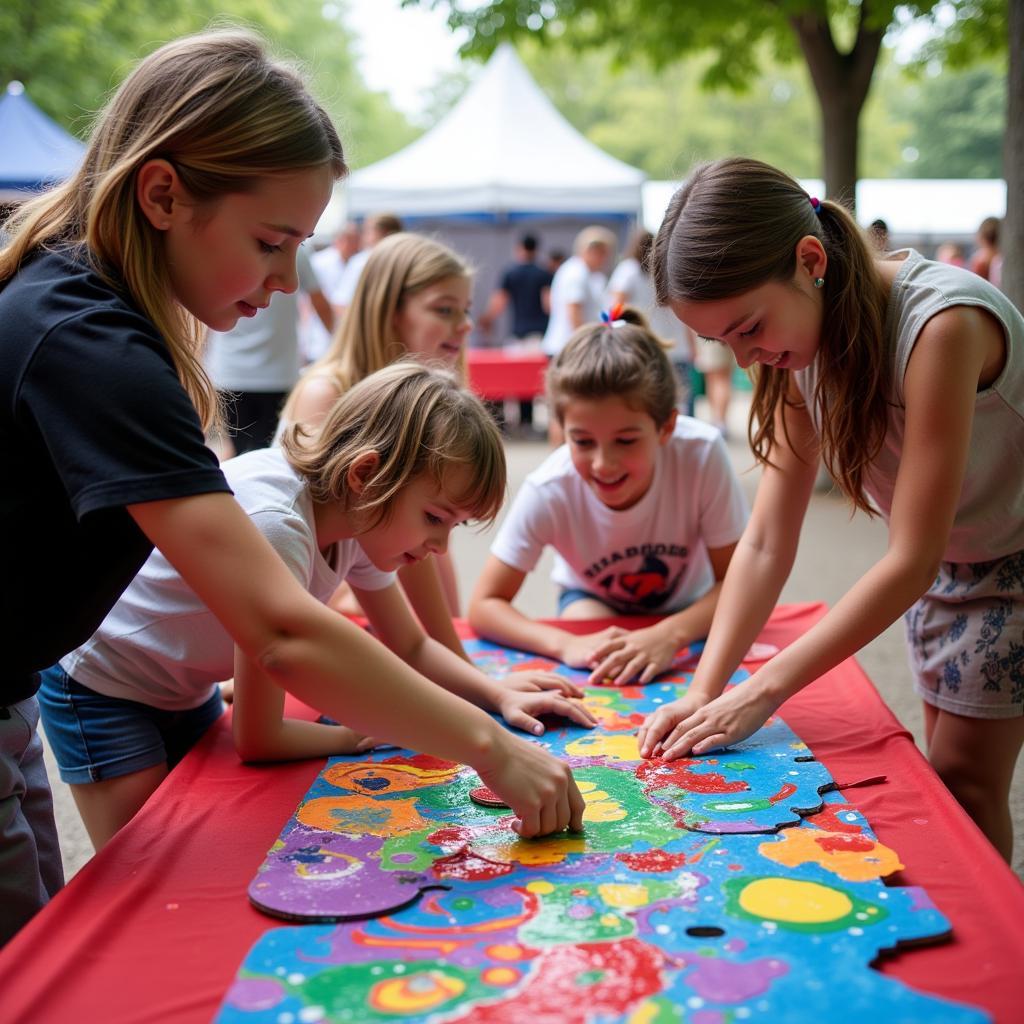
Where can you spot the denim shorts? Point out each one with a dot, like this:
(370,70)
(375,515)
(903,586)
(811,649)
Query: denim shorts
(94,737)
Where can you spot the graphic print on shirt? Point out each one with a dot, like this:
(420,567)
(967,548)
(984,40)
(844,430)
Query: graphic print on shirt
(646,585)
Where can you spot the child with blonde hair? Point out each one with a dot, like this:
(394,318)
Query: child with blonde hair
(209,166)
(641,506)
(906,377)
(412,299)
(402,458)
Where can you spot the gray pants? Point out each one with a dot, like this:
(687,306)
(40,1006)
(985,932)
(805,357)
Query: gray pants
(30,865)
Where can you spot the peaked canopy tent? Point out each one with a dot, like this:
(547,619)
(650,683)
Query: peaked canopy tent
(502,162)
(35,152)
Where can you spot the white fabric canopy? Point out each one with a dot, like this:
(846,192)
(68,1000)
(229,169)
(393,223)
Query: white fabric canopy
(503,150)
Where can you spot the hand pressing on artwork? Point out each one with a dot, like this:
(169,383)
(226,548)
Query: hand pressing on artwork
(531,681)
(695,724)
(538,787)
(581,651)
(520,709)
(639,654)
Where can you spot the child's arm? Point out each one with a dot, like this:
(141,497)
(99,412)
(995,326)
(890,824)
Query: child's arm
(422,585)
(262,733)
(396,627)
(939,394)
(492,616)
(332,665)
(648,651)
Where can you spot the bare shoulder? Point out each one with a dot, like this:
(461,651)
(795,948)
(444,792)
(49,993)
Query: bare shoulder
(313,398)
(963,340)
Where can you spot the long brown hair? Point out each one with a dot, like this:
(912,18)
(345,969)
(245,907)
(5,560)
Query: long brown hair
(733,226)
(225,115)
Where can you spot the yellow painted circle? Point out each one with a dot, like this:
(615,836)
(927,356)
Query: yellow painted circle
(782,899)
(541,888)
(414,994)
(506,952)
(500,976)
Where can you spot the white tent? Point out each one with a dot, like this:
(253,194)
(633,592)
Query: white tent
(501,163)
(503,152)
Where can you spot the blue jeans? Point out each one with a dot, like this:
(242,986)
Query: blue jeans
(95,737)
(30,865)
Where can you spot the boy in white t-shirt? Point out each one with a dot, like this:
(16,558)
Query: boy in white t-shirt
(641,505)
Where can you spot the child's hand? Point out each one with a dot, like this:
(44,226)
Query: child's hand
(528,682)
(519,709)
(643,652)
(694,724)
(578,651)
(352,742)
(537,786)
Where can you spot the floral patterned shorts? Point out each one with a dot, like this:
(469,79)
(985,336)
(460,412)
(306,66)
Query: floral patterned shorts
(966,639)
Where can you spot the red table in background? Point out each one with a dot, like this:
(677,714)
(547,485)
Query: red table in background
(496,373)
(154,928)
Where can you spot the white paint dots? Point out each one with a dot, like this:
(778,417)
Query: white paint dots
(295,978)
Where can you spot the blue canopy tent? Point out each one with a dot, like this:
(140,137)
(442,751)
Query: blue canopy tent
(35,152)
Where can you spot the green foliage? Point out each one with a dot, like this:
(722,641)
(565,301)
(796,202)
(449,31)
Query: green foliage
(70,55)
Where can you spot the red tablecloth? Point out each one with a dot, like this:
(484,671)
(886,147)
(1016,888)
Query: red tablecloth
(154,928)
(495,373)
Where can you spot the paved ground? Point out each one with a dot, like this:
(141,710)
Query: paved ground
(824,569)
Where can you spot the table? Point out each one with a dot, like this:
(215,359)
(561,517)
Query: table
(496,373)
(154,928)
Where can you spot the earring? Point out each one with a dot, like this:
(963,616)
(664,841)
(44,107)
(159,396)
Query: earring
(819,282)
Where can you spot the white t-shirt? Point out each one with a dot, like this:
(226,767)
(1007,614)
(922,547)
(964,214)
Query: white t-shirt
(261,353)
(350,278)
(629,279)
(574,282)
(329,267)
(160,645)
(648,558)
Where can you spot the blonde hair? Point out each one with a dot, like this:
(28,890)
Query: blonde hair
(225,115)
(592,236)
(623,359)
(366,340)
(417,419)
(733,226)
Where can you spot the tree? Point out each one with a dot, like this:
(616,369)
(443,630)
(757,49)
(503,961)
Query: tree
(71,55)
(839,40)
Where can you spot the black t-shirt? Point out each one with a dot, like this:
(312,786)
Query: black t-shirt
(92,418)
(524,283)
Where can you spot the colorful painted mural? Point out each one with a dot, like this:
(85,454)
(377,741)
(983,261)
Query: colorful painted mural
(709,890)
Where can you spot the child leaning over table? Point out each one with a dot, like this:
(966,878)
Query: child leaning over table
(641,506)
(402,458)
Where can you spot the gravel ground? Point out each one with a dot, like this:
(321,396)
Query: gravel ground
(824,570)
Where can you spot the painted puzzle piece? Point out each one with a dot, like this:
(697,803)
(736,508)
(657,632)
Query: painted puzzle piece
(369,833)
(708,931)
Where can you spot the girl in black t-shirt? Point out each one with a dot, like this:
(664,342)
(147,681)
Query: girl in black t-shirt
(207,170)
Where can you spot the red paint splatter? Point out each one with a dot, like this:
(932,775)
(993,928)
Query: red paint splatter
(580,983)
(828,819)
(855,844)
(652,860)
(535,665)
(654,776)
(450,835)
(787,789)
(469,866)
(424,761)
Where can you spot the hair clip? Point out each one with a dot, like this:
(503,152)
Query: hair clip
(613,316)
(815,204)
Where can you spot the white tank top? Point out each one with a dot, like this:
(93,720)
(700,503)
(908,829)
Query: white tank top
(989,520)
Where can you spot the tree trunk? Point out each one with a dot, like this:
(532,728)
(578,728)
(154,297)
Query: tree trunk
(841,81)
(1012,235)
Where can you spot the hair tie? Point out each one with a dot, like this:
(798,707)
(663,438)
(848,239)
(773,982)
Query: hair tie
(815,204)
(613,317)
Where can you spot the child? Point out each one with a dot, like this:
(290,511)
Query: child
(641,506)
(209,166)
(905,375)
(372,490)
(412,298)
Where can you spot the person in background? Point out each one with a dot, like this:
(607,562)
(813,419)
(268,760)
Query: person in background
(578,287)
(376,227)
(256,363)
(526,287)
(878,234)
(987,261)
(952,254)
(631,285)
(329,266)
(556,257)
